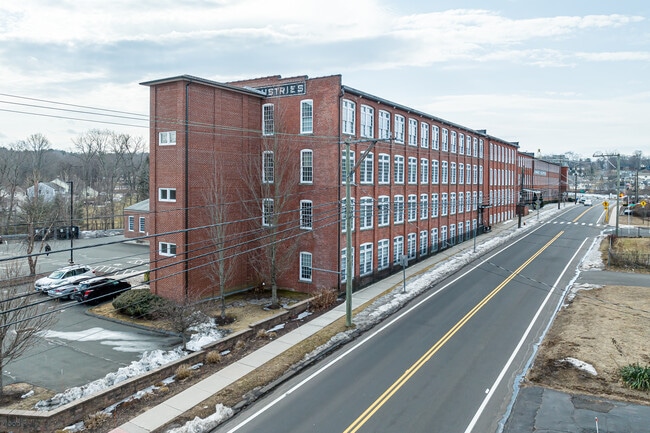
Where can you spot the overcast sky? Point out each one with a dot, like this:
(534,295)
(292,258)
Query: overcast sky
(555,76)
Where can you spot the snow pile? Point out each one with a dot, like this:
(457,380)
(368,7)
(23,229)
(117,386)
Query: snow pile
(204,334)
(201,425)
(593,260)
(580,365)
(573,291)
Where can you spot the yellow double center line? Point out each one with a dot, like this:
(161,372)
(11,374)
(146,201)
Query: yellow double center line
(374,407)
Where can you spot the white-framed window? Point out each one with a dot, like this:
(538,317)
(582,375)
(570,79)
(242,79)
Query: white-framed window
(344,216)
(468,201)
(305,266)
(452,234)
(268,123)
(443,237)
(468,171)
(365,259)
(344,263)
(399,129)
(365,213)
(480,149)
(398,173)
(383,210)
(412,247)
(468,228)
(452,173)
(475,200)
(461,202)
(468,145)
(166,249)
(452,203)
(424,206)
(461,143)
(348,115)
(461,173)
(444,205)
(424,171)
(167,138)
(424,244)
(307,166)
(460,231)
(480,175)
(268,167)
(453,141)
(435,171)
(382,254)
(434,205)
(398,209)
(167,194)
(131,223)
(384,124)
(445,172)
(445,140)
(141,224)
(306,214)
(306,116)
(475,174)
(424,135)
(434,240)
(398,249)
(383,168)
(413,170)
(367,121)
(366,172)
(479,199)
(347,167)
(413,132)
(435,137)
(412,207)
(267,211)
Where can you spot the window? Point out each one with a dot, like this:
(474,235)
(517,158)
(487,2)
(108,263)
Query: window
(445,204)
(452,203)
(480,148)
(445,172)
(412,246)
(443,237)
(398,249)
(383,168)
(461,173)
(306,214)
(306,116)
(384,124)
(131,223)
(468,234)
(434,205)
(475,174)
(166,194)
(166,249)
(461,202)
(141,224)
(424,206)
(268,126)
(305,266)
(480,174)
(460,231)
(468,170)
(469,145)
(167,138)
(468,201)
(413,132)
(382,254)
(268,167)
(435,171)
(348,117)
(474,201)
(365,213)
(347,167)
(399,129)
(365,259)
(398,176)
(413,170)
(452,173)
(461,143)
(367,121)
(424,171)
(267,211)
(383,210)
(366,169)
(424,135)
(424,237)
(306,166)
(434,239)
(398,209)
(453,141)
(344,216)
(452,234)
(445,142)
(435,137)
(412,207)
(344,263)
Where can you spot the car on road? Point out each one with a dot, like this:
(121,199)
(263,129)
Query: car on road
(100,289)
(588,202)
(62,277)
(66,291)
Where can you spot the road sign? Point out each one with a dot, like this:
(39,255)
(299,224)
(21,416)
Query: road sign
(606,203)
(643,203)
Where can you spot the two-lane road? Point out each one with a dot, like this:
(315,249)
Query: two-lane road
(447,363)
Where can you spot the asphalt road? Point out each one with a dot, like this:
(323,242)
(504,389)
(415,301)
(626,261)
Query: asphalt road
(449,362)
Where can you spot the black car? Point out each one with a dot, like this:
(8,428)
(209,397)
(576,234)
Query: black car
(100,289)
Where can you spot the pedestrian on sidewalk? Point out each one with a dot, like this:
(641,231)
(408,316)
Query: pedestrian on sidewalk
(47,249)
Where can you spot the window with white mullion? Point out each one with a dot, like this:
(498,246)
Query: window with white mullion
(384,124)
(399,129)
(383,210)
(424,135)
(367,121)
(348,114)
(413,132)
(366,169)
(398,209)
(383,168)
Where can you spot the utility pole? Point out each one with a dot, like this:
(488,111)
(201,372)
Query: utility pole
(618,179)
(71,230)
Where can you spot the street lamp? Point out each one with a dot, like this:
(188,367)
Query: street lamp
(618,178)
(636,182)
(71,230)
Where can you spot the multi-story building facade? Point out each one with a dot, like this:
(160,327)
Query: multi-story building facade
(265,161)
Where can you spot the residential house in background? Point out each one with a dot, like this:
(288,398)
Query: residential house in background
(135,220)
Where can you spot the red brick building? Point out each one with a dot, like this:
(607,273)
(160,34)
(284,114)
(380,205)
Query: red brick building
(263,160)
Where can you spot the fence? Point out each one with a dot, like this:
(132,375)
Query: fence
(634,259)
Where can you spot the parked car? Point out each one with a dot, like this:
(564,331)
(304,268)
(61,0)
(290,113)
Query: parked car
(628,211)
(588,202)
(66,291)
(100,289)
(62,277)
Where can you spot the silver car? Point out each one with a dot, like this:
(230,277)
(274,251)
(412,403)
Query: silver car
(67,291)
(62,277)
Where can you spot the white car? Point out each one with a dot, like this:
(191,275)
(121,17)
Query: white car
(588,202)
(63,277)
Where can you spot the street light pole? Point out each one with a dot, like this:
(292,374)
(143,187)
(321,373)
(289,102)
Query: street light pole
(71,230)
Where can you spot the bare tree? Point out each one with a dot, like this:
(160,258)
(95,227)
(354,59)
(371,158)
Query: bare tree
(21,319)
(12,167)
(184,316)
(132,159)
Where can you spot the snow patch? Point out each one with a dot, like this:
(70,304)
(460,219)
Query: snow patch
(202,425)
(580,365)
